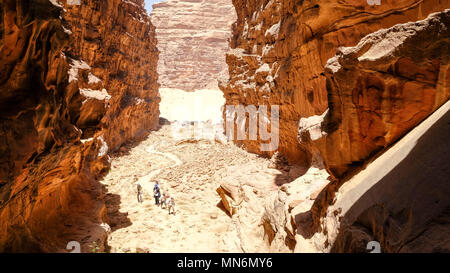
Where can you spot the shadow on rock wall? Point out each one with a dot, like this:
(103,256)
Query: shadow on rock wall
(409,209)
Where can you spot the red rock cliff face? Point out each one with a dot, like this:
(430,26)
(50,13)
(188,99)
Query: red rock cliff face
(394,81)
(280,48)
(192,37)
(382,88)
(378,91)
(77,81)
(351,80)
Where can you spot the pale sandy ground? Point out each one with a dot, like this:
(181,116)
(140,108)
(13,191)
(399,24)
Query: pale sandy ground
(191,171)
(201,105)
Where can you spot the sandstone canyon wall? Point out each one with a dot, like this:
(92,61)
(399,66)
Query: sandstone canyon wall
(350,84)
(279,50)
(77,81)
(378,90)
(383,87)
(192,38)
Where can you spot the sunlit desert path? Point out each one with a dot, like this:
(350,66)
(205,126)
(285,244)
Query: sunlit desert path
(189,170)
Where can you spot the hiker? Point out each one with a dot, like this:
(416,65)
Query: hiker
(163,200)
(139,193)
(171,204)
(156,193)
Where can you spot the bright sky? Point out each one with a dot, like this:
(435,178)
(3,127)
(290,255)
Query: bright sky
(149,3)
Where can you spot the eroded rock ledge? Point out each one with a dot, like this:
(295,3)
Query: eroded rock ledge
(383,87)
(77,81)
(367,180)
(379,90)
(279,49)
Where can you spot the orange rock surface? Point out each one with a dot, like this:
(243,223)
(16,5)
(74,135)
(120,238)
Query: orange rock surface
(382,88)
(77,82)
(378,90)
(351,79)
(280,48)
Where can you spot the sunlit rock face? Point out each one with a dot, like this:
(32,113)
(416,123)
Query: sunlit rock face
(77,81)
(351,80)
(192,38)
(394,82)
(379,90)
(279,49)
(383,87)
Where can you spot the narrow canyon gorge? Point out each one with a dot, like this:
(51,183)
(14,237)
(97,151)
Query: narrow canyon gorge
(98,97)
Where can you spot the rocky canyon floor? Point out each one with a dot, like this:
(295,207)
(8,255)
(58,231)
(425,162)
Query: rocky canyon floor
(189,169)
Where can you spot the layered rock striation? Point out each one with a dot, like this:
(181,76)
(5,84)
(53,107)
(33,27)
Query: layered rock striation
(279,49)
(383,87)
(379,90)
(78,80)
(192,38)
(363,94)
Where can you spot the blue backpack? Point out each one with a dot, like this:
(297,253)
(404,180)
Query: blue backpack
(156,190)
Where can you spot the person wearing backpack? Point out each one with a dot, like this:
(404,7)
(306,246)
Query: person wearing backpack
(171,204)
(163,200)
(156,193)
(139,193)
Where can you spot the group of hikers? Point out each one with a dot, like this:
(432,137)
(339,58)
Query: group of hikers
(165,200)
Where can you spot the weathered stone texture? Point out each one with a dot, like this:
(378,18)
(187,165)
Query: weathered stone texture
(192,37)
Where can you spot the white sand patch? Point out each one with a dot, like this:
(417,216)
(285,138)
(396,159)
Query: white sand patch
(263,68)
(274,30)
(104,148)
(68,31)
(74,2)
(93,79)
(95,94)
(313,125)
(56,3)
(86,140)
(201,105)
(203,108)
(75,66)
